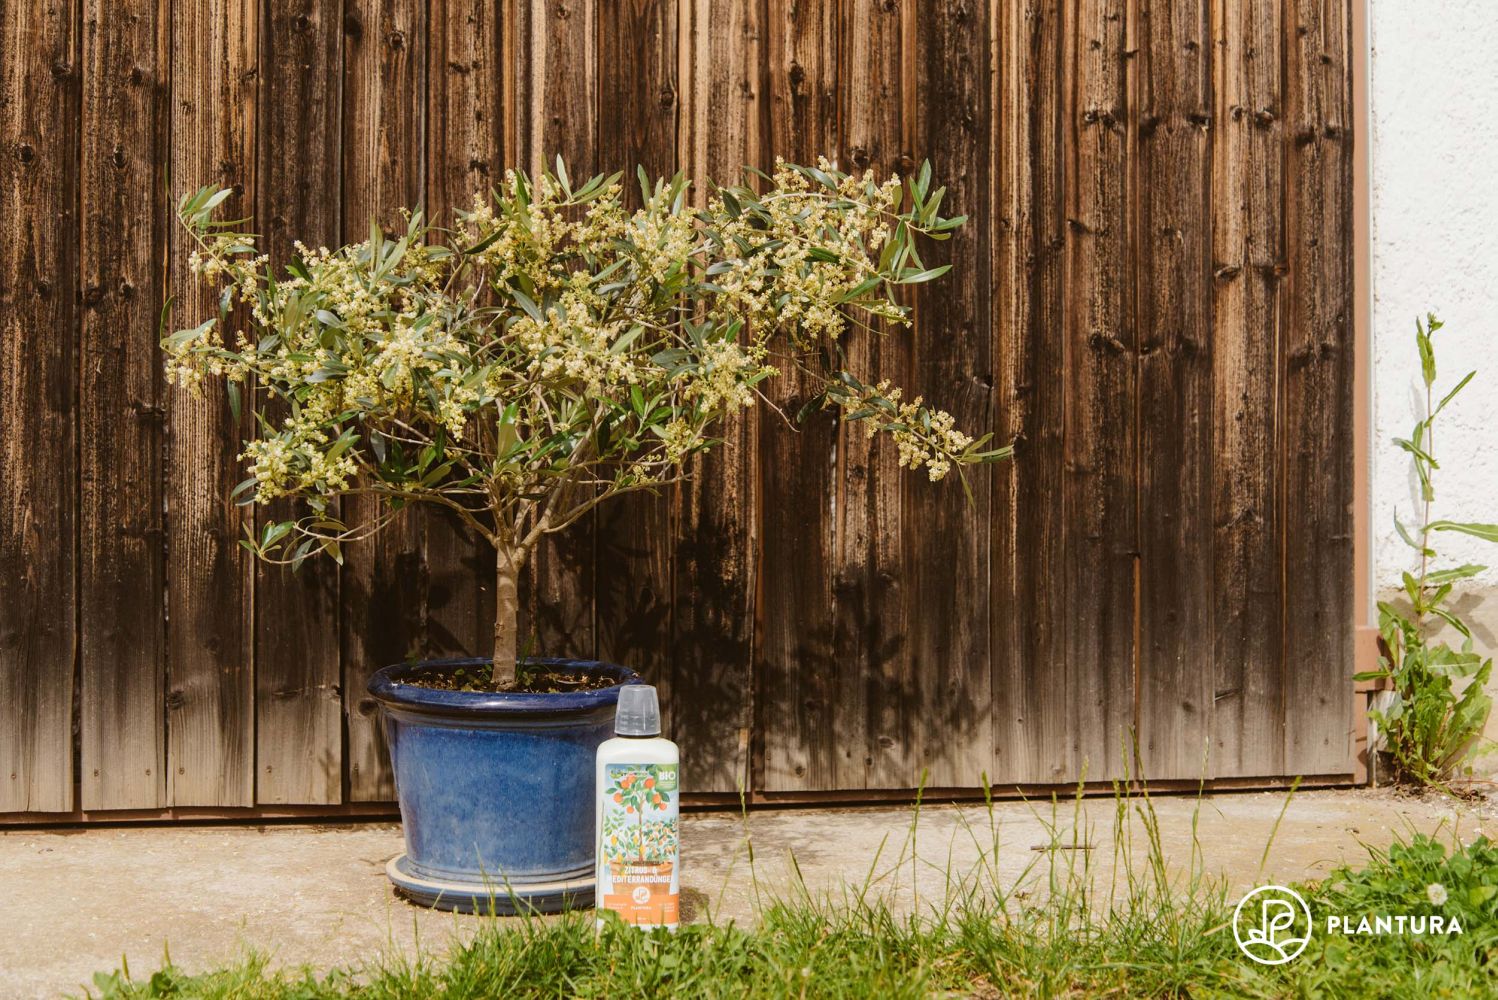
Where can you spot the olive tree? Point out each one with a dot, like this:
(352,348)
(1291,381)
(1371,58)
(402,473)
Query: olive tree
(552,349)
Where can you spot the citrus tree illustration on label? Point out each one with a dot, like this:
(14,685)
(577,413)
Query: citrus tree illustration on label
(638,790)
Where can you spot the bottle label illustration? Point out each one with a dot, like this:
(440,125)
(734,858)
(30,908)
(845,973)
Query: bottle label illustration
(638,857)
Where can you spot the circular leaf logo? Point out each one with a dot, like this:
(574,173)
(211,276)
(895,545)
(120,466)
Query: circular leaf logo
(1272,924)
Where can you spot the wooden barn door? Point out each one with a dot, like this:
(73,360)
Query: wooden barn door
(1152,298)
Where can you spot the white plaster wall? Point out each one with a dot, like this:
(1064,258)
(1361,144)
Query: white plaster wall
(1434,186)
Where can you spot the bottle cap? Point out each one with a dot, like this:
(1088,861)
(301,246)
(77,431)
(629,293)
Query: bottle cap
(639,711)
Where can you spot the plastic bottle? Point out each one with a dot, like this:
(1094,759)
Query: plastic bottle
(638,825)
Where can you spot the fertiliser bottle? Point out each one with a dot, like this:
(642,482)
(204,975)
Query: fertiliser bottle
(638,830)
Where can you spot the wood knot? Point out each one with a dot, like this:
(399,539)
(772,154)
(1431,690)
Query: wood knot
(1227,272)
(175,700)
(797,76)
(137,76)
(666,97)
(25,153)
(1264,118)
(118,158)
(1100,342)
(396,40)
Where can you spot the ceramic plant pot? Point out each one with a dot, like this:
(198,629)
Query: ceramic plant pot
(495,790)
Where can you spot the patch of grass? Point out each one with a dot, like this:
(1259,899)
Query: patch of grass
(1056,931)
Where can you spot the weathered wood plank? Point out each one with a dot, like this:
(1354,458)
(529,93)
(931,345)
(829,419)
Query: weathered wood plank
(384,580)
(1031,723)
(556,104)
(637,108)
(869,645)
(556,84)
(298,679)
(1172,256)
(945,715)
(716,513)
(1099,361)
(39,95)
(1248,268)
(465,122)
(121,600)
(210,718)
(1318,353)
(799,675)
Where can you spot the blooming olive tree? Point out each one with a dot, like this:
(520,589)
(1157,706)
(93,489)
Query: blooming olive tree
(552,350)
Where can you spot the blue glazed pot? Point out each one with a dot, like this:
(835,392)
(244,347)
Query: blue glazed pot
(495,790)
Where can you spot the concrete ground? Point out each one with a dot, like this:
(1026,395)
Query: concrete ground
(74,902)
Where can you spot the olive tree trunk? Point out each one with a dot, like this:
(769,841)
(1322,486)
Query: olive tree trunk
(507,562)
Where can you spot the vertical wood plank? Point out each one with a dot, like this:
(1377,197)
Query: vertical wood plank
(1247,194)
(298,680)
(1172,256)
(465,127)
(808,742)
(210,701)
(722,66)
(121,599)
(1032,724)
(637,112)
(384,579)
(1098,363)
(556,84)
(39,95)
(870,648)
(945,713)
(1318,368)
(210,718)
(556,107)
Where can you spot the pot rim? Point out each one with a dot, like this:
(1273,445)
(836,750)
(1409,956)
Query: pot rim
(388,688)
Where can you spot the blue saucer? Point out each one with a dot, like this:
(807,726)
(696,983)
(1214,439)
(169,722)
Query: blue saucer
(496,898)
